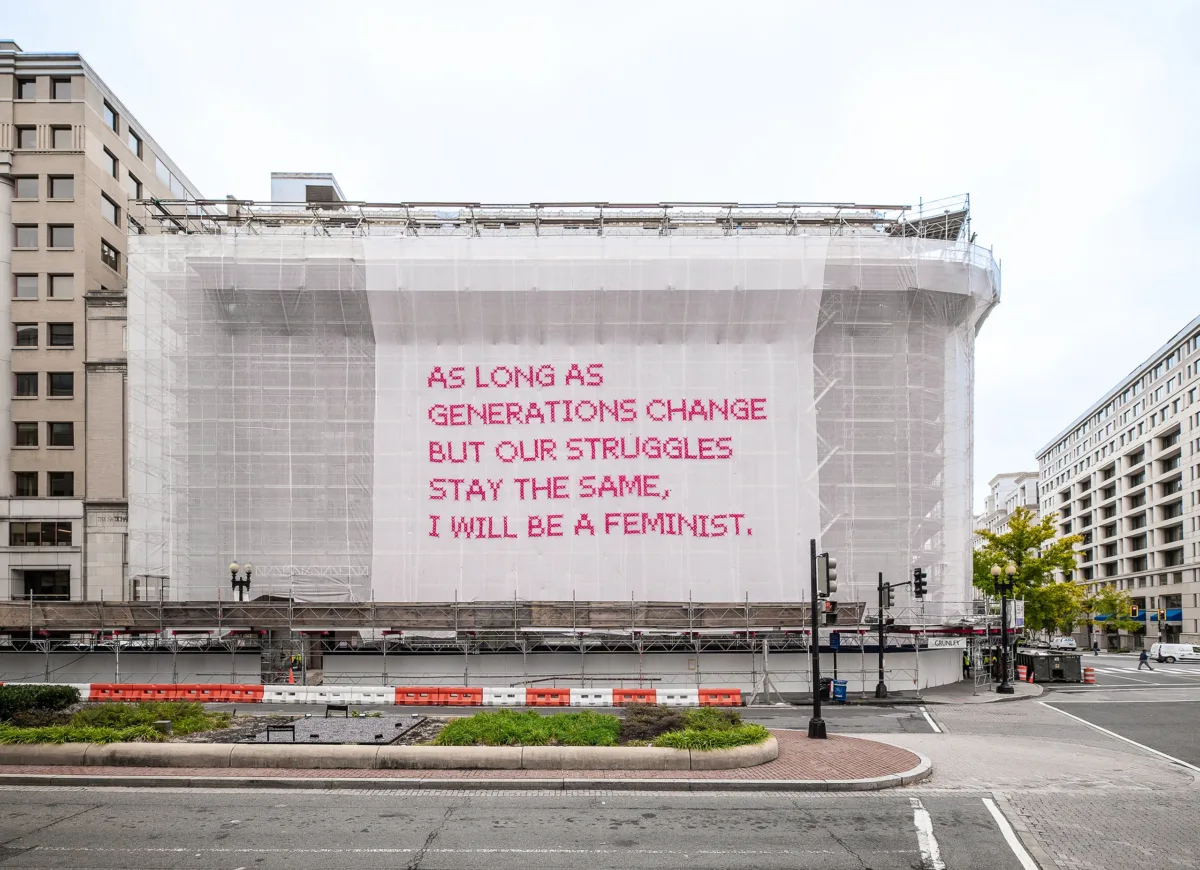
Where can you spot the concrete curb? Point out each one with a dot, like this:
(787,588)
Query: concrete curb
(557,783)
(301,756)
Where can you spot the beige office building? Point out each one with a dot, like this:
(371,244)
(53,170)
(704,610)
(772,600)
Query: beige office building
(71,158)
(1126,476)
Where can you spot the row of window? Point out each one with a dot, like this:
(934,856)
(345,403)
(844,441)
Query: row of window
(60,89)
(59,484)
(29,286)
(62,138)
(57,187)
(60,385)
(60,335)
(60,434)
(39,533)
(62,236)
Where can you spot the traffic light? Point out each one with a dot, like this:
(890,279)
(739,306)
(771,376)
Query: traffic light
(831,612)
(1162,618)
(1133,611)
(889,595)
(826,575)
(920,584)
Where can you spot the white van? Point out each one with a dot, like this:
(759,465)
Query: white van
(1175,652)
(1064,643)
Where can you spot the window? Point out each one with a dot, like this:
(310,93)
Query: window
(62,385)
(26,287)
(26,384)
(26,89)
(62,334)
(26,334)
(61,483)
(62,286)
(62,186)
(160,170)
(110,116)
(60,89)
(62,434)
(46,585)
(40,533)
(110,256)
(64,138)
(62,235)
(26,187)
(25,484)
(110,210)
(25,236)
(133,186)
(25,434)
(134,141)
(110,163)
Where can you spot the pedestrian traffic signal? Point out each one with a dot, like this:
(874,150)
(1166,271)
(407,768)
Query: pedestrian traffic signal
(920,584)
(826,575)
(831,612)
(1133,611)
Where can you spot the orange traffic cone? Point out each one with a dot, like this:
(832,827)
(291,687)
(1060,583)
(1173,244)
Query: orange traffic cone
(291,676)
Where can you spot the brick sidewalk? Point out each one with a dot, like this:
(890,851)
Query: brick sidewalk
(800,759)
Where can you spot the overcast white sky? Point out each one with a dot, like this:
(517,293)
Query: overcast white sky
(1075,127)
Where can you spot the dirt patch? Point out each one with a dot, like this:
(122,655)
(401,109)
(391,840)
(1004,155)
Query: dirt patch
(241,728)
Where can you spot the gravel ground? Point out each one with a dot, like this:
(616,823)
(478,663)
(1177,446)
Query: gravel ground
(362,730)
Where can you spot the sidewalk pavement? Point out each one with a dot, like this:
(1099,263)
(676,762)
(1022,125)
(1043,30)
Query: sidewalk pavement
(963,692)
(835,764)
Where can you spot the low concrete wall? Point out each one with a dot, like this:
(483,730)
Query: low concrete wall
(388,757)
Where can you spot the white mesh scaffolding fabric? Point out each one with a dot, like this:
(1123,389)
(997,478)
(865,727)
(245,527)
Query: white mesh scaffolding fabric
(286,392)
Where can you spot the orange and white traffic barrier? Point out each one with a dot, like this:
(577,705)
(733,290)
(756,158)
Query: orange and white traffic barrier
(1089,675)
(1021,673)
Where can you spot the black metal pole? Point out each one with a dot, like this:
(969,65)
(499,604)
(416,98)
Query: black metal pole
(816,725)
(1004,688)
(881,686)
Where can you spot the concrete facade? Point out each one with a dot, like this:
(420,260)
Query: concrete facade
(1126,476)
(72,157)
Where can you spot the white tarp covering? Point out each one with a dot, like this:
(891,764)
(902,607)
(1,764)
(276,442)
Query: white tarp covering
(315,404)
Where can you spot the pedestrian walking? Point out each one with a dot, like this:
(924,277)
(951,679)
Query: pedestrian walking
(1095,647)
(1144,661)
(966,664)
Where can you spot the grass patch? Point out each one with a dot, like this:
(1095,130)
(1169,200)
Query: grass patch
(509,728)
(701,728)
(724,738)
(78,734)
(186,717)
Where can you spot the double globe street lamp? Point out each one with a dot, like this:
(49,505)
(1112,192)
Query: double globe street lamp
(241,584)
(1004,587)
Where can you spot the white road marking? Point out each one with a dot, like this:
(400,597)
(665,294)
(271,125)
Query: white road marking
(931,855)
(929,719)
(1152,751)
(399,851)
(1010,836)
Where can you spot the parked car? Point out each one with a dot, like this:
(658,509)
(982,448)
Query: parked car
(1175,652)
(1063,643)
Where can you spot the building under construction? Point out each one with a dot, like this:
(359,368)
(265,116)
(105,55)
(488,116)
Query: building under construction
(546,440)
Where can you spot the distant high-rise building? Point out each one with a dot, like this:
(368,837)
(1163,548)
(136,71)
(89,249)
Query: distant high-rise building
(72,157)
(1126,476)
(1008,492)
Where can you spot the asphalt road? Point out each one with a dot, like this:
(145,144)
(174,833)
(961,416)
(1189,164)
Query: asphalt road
(1166,725)
(177,829)
(848,719)
(1114,671)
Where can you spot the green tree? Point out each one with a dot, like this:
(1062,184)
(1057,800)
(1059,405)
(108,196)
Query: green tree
(1056,608)
(1028,544)
(1114,606)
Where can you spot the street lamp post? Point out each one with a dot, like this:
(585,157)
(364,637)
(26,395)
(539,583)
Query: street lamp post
(240,584)
(1004,587)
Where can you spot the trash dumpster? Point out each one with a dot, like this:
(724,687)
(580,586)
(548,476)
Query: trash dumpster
(839,691)
(1067,668)
(1043,671)
(826,685)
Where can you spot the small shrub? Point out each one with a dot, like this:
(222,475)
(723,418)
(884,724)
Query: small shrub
(726,738)
(509,728)
(78,734)
(186,717)
(15,699)
(711,719)
(649,721)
